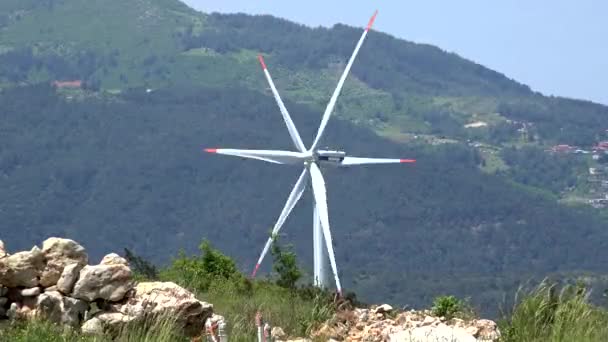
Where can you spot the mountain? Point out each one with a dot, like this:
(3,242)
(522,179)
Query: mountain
(120,162)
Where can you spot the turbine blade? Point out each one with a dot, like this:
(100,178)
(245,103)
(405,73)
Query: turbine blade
(363,161)
(318,187)
(294,196)
(293,132)
(334,97)
(271,156)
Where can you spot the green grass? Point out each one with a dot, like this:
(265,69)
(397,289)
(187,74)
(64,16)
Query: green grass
(549,314)
(154,330)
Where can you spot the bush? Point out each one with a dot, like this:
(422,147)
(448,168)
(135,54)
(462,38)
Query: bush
(450,307)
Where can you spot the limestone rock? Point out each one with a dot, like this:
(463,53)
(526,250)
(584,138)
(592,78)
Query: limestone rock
(441,332)
(93,326)
(277,333)
(383,308)
(51,288)
(169,300)
(58,253)
(108,282)
(113,259)
(68,278)
(31,292)
(22,269)
(3,252)
(487,330)
(106,321)
(59,309)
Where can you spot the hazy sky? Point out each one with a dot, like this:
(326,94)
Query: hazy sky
(558,47)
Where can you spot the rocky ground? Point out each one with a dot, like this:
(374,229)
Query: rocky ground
(56,282)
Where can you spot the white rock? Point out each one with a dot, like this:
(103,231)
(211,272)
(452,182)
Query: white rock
(93,326)
(428,320)
(63,310)
(68,278)
(3,252)
(58,253)
(108,282)
(22,269)
(31,292)
(51,288)
(383,308)
(278,333)
(167,299)
(114,259)
(12,311)
(441,333)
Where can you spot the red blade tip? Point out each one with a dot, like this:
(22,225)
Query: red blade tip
(261,59)
(407,160)
(371,21)
(255,270)
(211,150)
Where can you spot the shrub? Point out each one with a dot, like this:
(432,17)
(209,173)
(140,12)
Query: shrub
(448,306)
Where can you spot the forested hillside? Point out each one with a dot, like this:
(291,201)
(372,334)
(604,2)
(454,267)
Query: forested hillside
(129,171)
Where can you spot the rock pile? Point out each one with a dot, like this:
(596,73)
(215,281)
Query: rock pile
(382,323)
(56,283)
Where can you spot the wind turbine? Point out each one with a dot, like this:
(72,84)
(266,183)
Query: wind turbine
(310,158)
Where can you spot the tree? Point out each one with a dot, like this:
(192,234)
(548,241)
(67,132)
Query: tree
(140,266)
(285,265)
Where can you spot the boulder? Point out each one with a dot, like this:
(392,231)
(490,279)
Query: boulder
(166,299)
(106,322)
(441,332)
(3,291)
(3,301)
(58,253)
(22,269)
(114,259)
(62,310)
(31,292)
(107,282)
(277,333)
(68,278)
(384,308)
(93,326)
(487,330)
(3,252)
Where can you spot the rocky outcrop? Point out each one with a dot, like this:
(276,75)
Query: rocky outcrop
(60,309)
(56,284)
(68,278)
(3,252)
(109,282)
(22,269)
(165,299)
(382,323)
(58,253)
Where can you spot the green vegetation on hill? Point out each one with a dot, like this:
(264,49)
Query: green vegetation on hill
(129,170)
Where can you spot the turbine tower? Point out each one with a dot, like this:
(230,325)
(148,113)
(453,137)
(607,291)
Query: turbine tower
(310,158)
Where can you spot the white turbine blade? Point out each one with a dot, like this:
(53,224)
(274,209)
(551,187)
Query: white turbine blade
(293,198)
(318,187)
(271,156)
(363,161)
(293,132)
(334,97)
